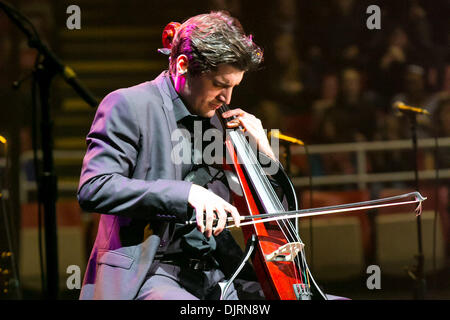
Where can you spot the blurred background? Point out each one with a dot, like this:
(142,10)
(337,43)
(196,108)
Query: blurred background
(326,79)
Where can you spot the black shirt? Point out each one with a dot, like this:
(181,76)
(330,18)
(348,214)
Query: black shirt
(186,238)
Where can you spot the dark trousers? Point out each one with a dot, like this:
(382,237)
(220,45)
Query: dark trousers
(172,282)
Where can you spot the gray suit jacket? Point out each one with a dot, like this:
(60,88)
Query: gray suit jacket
(129,177)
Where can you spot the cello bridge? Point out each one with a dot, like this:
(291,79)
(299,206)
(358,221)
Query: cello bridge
(287,252)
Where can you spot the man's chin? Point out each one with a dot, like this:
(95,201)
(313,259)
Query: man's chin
(209,114)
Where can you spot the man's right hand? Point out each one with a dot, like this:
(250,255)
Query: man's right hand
(206,202)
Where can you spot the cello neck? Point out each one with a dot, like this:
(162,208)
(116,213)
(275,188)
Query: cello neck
(248,160)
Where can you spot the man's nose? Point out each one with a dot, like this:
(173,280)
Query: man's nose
(225,95)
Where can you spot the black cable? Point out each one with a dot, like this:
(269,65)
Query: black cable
(33,36)
(310,204)
(436,191)
(34,143)
(311,245)
(8,226)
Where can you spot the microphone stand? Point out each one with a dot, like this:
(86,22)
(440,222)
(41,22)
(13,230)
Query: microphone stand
(44,75)
(46,70)
(418,274)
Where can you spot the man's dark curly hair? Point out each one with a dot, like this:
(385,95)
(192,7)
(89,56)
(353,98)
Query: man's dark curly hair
(209,40)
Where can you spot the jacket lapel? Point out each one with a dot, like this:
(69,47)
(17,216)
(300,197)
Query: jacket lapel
(170,116)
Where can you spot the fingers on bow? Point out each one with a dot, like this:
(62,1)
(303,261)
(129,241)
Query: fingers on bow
(209,214)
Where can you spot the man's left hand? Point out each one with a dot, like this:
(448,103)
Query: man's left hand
(253,126)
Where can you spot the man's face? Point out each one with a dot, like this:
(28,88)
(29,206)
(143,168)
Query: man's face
(206,92)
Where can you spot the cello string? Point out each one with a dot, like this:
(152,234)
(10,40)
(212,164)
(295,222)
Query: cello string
(291,235)
(267,186)
(309,284)
(263,179)
(254,165)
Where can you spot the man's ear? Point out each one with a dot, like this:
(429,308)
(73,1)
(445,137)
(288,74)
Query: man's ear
(182,64)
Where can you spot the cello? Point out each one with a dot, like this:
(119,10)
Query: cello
(279,258)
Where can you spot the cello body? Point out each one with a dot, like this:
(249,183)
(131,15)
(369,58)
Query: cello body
(279,253)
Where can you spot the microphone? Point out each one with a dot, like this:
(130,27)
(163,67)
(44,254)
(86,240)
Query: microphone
(400,106)
(54,63)
(280,136)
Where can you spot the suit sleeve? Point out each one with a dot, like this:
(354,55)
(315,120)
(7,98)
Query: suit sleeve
(106,183)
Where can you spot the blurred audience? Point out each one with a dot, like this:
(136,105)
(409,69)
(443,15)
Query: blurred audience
(326,77)
(351,117)
(348,117)
(286,83)
(443,118)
